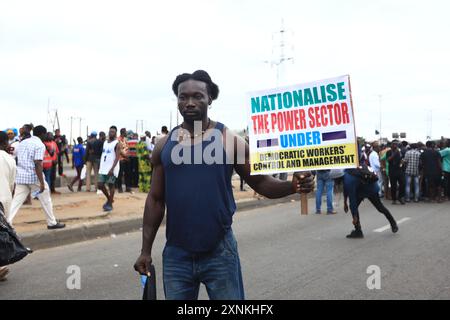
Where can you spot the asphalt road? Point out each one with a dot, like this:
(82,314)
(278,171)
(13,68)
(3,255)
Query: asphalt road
(284,256)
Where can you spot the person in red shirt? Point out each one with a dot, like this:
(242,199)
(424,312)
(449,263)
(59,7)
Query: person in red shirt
(133,158)
(50,159)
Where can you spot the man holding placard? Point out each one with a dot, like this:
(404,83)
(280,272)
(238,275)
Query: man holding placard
(192,169)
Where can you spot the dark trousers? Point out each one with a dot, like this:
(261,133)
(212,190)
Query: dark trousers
(357,192)
(376,202)
(78,178)
(60,164)
(53,177)
(124,174)
(134,169)
(447,184)
(397,183)
(432,185)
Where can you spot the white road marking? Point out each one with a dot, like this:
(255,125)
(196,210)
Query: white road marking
(389,226)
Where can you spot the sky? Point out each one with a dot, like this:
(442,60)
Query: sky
(113,62)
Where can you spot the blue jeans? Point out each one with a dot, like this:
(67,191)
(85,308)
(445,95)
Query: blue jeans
(48,177)
(219,270)
(416,187)
(321,184)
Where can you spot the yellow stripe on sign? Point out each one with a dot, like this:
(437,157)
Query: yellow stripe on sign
(302,159)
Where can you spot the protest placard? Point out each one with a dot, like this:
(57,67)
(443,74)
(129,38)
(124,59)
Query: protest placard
(302,127)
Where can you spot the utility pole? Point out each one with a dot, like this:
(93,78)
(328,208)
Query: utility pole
(48,113)
(279,46)
(80,126)
(52,117)
(71,127)
(429,124)
(380,97)
(56,120)
(141,126)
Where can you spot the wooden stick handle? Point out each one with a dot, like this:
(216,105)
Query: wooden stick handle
(304,203)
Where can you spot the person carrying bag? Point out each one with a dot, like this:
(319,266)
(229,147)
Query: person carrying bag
(11,248)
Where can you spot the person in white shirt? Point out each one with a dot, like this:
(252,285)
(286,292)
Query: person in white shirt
(109,168)
(164,132)
(30,177)
(13,144)
(7,173)
(7,179)
(374,162)
(148,141)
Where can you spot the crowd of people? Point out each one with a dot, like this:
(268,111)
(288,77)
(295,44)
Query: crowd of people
(401,172)
(199,219)
(31,159)
(406,172)
(104,163)
(411,172)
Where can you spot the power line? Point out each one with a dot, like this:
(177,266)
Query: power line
(280,46)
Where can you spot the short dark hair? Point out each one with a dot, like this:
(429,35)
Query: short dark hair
(113,127)
(199,75)
(39,130)
(164,129)
(80,140)
(101,133)
(429,144)
(3,138)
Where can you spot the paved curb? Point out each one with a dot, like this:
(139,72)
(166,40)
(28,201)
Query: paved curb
(93,230)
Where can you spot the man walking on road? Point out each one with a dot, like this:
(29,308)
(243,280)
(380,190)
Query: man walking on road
(78,153)
(201,247)
(356,189)
(109,168)
(30,177)
(94,149)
